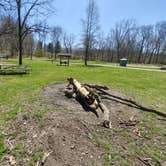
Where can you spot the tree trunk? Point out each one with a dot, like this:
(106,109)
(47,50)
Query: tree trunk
(31,55)
(86,56)
(19,32)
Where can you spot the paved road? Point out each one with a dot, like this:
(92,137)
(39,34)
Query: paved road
(128,67)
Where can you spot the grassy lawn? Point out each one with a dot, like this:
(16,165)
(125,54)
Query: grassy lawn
(148,88)
(145,86)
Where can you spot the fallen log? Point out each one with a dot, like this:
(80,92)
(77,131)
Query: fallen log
(129,123)
(89,98)
(92,95)
(79,91)
(107,122)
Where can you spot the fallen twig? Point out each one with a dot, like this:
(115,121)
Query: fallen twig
(129,123)
(45,157)
(12,160)
(11,147)
(145,161)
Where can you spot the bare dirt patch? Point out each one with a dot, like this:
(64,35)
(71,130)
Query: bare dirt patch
(72,136)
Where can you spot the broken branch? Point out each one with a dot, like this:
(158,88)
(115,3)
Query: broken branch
(128,102)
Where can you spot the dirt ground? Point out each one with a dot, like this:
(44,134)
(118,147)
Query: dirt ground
(59,128)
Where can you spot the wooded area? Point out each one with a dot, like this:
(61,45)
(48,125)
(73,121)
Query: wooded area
(25,36)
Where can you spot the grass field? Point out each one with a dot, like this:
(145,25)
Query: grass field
(147,87)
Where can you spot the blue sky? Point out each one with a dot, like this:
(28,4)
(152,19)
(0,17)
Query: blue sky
(70,12)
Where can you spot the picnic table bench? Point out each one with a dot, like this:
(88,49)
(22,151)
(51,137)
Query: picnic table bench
(14,69)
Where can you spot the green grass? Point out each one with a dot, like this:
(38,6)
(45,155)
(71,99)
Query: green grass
(36,156)
(145,86)
(2,147)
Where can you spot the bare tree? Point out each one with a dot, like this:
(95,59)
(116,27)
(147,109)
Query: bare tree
(57,48)
(28,45)
(101,46)
(8,37)
(4,5)
(123,37)
(50,50)
(141,42)
(109,47)
(68,41)
(56,34)
(43,36)
(28,14)
(90,28)
(160,38)
(7,25)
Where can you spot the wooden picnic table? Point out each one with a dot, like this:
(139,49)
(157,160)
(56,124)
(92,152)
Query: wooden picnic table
(3,65)
(13,68)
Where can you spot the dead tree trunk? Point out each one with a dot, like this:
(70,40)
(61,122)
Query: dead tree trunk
(89,98)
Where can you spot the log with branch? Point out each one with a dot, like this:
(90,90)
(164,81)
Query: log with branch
(91,96)
(88,98)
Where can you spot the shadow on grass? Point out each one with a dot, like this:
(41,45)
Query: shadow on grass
(14,73)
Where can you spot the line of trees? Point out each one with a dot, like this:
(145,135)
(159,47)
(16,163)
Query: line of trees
(57,41)
(139,44)
(51,40)
(27,20)
(9,38)
(90,28)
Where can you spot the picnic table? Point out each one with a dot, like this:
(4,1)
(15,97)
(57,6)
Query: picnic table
(13,68)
